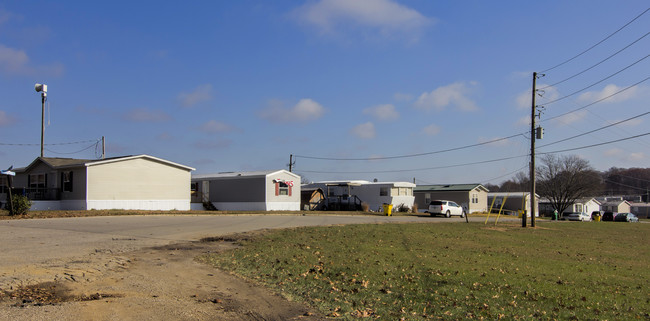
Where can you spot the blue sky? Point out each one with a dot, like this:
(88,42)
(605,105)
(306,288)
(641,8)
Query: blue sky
(241,85)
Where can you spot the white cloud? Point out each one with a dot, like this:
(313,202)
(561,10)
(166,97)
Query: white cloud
(402,97)
(6,120)
(384,16)
(382,112)
(16,62)
(145,115)
(609,90)
(431,130)
(625,156)
(200,94)
(523,121)
(571,117)
(214,126)
(213,144)
(451,95)
(305,110)
(365,130)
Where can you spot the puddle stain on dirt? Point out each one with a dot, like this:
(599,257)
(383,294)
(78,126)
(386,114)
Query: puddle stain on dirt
(47,293)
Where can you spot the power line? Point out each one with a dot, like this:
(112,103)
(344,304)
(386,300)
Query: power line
(596,83)
(595,145)
(592,47)
(597,101)
(411,155)
(475,163)
(71,143)
(595,130)
(598,63)
(68,153)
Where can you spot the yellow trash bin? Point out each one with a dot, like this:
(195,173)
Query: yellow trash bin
(388,209)
(597,218)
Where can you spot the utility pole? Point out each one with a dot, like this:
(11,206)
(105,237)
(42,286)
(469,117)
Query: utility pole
(533,109)
(103,147)
(291,163)
(42,88)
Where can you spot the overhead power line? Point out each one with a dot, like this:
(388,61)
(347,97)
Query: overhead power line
(597,101)
(598,43)
(474,163)
(598,63)
(69,153)
(596,83)
(595,130)
(596,145)
(411,155)
(54,144)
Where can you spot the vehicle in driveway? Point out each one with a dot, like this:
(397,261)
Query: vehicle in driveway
(446,208)
(625,217)
(608,216)
(578,216)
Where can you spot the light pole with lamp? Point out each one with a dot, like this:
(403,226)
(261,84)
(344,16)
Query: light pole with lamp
(43,90)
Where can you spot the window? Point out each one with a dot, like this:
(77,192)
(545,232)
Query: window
(427,198)
(474,198)
(3,184)
(383,191)
(36,181)
(282,188)
(66,181)
(194,188)
(578,207)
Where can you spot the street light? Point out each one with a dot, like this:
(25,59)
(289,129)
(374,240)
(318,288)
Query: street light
(43,90)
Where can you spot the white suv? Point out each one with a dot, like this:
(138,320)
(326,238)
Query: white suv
(446,208)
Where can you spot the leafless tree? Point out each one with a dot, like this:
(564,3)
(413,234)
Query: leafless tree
(565,179)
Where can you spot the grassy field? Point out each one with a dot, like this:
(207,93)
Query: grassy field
(560,270)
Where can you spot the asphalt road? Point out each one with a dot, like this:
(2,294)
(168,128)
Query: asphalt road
(37,241)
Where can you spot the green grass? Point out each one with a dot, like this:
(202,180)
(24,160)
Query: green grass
(581,271)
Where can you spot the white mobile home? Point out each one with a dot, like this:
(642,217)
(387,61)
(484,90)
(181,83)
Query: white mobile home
(472,197)
(513,202)
(139,182)
(349,195)
(275,190)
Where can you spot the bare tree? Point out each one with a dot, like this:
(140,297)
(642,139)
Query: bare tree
(565,179)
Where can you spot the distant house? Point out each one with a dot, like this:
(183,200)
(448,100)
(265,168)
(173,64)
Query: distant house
(642,210)
(472,197)
(616,206)
(349,195)
(586,205)
(513,202)
(140,182)
(274,190)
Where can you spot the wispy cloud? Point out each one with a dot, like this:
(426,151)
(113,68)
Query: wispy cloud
(431,130)
(16,62)
(622,155)
(524,100)
(455,95)
(402,97)
(364,131)
(382,112)
(145,115)
(213,144)
(571,118)
(304,111)
(214,126)
(384,17)
(200,94)
(6,119)
(608,91)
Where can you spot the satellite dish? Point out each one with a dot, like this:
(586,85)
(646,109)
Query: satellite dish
(40,87)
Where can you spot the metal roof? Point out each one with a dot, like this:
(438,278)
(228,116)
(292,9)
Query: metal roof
(241,174)
(449,188)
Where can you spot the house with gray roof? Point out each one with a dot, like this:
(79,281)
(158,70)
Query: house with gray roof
(139,182)
(273,190)
(472,197)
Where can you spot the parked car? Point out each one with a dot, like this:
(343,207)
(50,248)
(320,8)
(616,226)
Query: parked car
(626,217)
(608,216)
(446,208)
(578,216)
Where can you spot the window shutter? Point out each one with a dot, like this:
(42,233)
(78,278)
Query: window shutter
(277,188)
(62,181)
(71,185)
(290,187)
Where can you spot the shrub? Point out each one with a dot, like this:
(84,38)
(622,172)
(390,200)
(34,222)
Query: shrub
(22,204)
(402,208)
(414,209)
(365,207)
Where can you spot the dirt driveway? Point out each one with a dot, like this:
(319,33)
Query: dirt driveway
(159,283)
(139,268)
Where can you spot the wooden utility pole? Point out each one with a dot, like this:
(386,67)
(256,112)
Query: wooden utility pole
(533,109)
(290,162)
(103,147)
(42,121)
